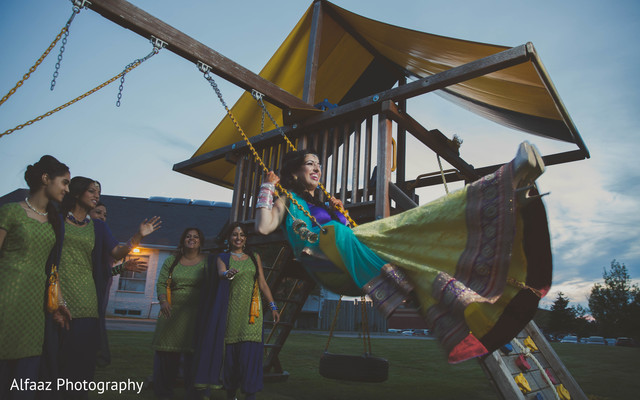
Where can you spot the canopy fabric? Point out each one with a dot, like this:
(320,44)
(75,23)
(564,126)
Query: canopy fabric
(516,97)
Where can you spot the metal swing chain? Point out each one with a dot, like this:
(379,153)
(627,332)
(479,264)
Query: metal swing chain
(157,46)
(77,6)
(205,69)
(333,325)
(26,76)
(129,68)
(258,97)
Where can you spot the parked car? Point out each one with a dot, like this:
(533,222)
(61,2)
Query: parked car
(582,340)
(596,340)
(394,330)
(408,332)
(569,339)
(610,341)
(421,332)
(625,341)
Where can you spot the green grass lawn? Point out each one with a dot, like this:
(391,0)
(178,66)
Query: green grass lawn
(418,370)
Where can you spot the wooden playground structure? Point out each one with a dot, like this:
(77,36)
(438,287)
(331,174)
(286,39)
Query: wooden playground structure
(361,138)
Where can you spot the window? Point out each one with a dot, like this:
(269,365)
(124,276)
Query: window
(134,281)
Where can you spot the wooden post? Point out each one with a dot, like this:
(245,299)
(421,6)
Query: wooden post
(313,54)
(383,202)
(401,146)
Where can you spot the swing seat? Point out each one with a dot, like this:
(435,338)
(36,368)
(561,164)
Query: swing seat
(364,368)
(328,274)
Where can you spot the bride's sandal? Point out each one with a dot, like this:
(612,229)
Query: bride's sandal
(527,165)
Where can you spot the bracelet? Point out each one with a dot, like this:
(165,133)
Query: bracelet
(273,306)
(224,275)
(117,270)
(265,197)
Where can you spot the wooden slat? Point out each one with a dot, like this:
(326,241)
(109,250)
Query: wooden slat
(236,203)
(367,157)
(245,183)
(355,179)
(334,161)
(324,156)
(346,133)
(137,20)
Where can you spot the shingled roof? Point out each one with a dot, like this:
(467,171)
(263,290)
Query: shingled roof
(125,213)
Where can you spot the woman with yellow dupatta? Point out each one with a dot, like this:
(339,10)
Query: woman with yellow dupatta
(243,335)
(475,262)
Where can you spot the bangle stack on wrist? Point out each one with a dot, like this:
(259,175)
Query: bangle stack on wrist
(117,270)
(265,197)
(273,306)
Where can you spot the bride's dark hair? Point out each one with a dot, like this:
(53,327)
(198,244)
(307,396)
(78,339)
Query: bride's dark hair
(291,164)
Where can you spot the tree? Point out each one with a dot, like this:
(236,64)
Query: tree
(562,317)
(615,303)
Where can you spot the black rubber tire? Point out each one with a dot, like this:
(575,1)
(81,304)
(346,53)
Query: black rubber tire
(362,368)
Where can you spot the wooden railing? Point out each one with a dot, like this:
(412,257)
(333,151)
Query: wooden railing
(349,150)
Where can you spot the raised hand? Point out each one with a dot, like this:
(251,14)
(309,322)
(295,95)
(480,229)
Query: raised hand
(272,178)
(135,265)
(148,226)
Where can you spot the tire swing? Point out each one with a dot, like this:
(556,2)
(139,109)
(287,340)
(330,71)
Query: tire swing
(364,368)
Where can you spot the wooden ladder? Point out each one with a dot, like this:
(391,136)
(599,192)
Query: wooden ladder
(504,365)
(290,286)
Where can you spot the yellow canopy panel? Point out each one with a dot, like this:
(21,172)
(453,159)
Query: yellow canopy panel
(351,46)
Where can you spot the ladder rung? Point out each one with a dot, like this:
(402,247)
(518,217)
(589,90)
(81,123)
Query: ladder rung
(289,301)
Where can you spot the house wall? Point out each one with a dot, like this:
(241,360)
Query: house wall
(136,304)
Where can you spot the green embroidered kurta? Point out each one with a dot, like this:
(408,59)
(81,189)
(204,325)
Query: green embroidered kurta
(240,291)
(177,333)
(22,282)
(76,271)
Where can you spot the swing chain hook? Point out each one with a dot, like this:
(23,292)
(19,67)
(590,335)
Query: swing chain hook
(158,45)
(77,6)
(206,70)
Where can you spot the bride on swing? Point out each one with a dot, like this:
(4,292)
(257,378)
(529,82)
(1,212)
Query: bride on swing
(475,263)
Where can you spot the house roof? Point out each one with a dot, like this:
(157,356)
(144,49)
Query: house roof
(126,213)
(359,57)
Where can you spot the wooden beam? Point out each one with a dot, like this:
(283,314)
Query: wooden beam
(403,202)
(551,159)
(369,104)
(137,20)
(313,55)
(435,140)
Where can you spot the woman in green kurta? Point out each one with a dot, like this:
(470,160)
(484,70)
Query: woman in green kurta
(27,237)
(243,336)
(88,251)
(179,284)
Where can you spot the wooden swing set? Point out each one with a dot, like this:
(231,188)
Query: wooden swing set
(343,136)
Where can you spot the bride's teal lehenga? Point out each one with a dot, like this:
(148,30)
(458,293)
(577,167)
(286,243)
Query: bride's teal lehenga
(475,261)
